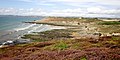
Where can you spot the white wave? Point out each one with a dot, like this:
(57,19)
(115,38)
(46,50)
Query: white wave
(24,28)
(35,28)
(1,46)
(18,37)
(48,27)
(10,42)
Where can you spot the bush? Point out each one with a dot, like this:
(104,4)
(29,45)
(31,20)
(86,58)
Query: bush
(61,45)
(110,23)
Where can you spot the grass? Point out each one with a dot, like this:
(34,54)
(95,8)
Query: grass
(39,40)
(64,47)
(96,45)
(76,46)
(109,28)
(115,38)
(83,58)
(61,45)
(110,23)
(49,35)
(2,50)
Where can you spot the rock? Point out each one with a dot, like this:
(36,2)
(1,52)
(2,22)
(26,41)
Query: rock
(114,46)
(94,41)
(97,33)
(108,34)
(116,34)
(8,43)
(78,23)
(21,41)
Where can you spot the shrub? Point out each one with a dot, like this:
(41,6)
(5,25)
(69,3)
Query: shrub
(61,45)
(83,58)
(110,23)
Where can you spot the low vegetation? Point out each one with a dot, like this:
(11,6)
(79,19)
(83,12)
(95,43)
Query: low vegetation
(110,23)
(74,49)
(57,34)
(67,44)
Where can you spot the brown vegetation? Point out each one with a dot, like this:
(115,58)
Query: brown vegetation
(66,44)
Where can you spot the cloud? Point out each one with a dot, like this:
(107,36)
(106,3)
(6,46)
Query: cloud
(100,10)
(94,10)
(86,12)
(13,11)
(78,10)
(106,2)
(27,0)
(88,8)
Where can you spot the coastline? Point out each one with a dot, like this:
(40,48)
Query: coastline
(82,39)
(19,40)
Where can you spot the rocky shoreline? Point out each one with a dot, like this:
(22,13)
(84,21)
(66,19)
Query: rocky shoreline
(84,39)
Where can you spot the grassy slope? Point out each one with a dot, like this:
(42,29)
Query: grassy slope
(63,45)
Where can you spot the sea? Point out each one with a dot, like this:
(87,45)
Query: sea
(12,28)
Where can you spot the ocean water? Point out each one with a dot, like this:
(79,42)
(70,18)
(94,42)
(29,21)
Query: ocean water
(12,27)
(10,22)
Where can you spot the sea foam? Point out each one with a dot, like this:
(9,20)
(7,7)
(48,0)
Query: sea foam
(34,28)
(24,28)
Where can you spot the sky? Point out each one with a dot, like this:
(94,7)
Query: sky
(81,8)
